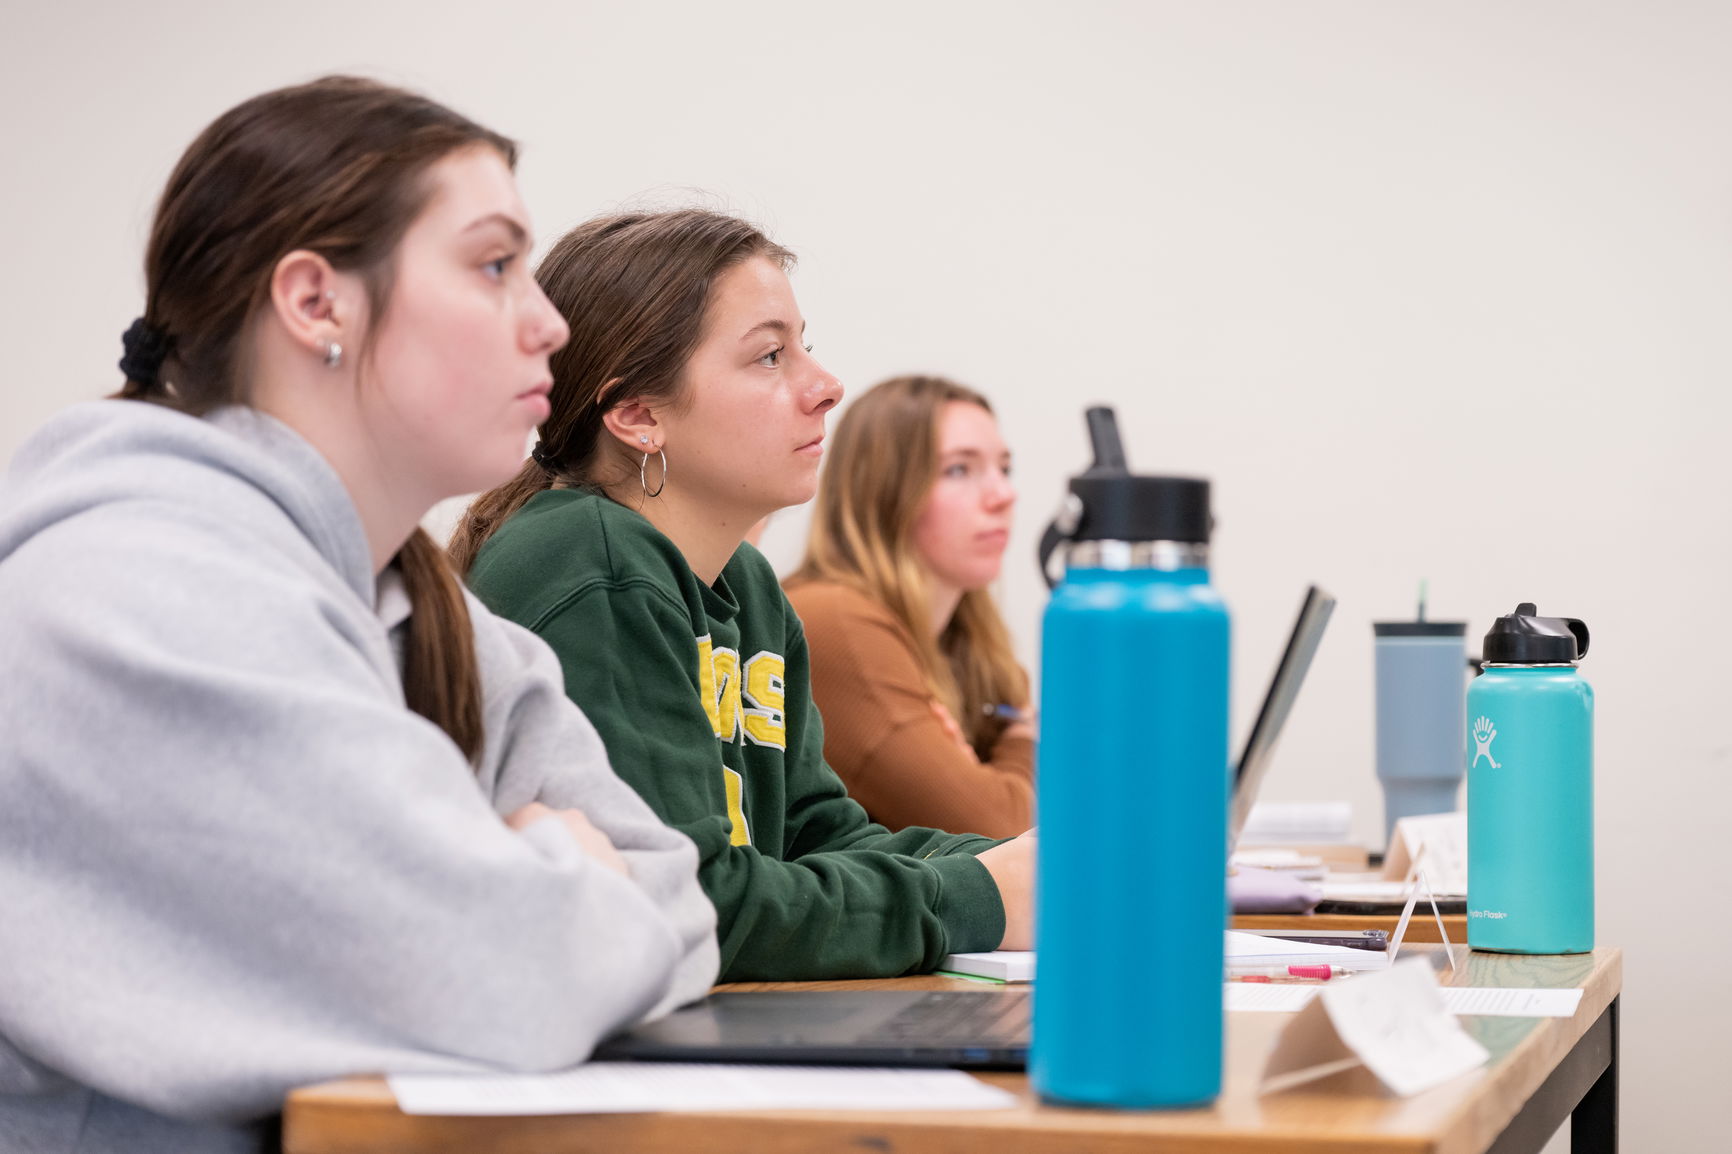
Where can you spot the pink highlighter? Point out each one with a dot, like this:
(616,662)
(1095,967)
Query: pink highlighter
(1289,973)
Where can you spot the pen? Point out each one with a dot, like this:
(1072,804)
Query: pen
(1289,973)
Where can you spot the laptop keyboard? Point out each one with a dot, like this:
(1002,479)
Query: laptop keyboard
(960,1018)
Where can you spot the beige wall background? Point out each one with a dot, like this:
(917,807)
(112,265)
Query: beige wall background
(1429,290)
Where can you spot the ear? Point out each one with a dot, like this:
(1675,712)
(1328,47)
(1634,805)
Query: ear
(316,305)
(633,423)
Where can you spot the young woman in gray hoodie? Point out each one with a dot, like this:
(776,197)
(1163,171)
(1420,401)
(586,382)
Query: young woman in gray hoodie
(280,802)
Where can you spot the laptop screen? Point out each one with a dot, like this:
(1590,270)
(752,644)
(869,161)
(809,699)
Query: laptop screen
(1277,704)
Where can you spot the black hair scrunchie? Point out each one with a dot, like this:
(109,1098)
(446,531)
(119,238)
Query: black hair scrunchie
(146,348)
(542,457)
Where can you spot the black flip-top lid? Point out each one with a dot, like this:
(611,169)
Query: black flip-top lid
(1110,503)
(1525,638)
(1118,505)
(1132,508)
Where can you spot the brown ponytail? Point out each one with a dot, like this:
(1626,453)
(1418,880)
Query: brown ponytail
(491,510)
(337,167)
(439,677)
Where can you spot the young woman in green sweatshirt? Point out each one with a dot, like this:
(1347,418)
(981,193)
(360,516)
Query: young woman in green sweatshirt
(685,408)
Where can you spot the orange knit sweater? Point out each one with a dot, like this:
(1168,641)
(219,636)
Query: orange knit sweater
(882,736)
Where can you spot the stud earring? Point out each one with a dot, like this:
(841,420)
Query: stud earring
(643,438)
(333,354)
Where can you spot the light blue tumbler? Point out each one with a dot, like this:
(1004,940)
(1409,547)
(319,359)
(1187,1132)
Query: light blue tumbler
(1530,790)
(1130,896)
(1421,679)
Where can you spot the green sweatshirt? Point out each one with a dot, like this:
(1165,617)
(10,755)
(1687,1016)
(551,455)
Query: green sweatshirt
(702,695)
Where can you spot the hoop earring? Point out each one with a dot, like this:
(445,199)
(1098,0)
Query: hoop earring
(643,478)
(333,354)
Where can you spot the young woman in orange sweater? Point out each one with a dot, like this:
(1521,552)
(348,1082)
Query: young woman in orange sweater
(925,708)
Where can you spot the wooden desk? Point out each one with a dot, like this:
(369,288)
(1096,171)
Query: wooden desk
(1541,1069)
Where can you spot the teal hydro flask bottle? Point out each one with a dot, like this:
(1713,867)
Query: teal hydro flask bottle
(1530,790)
(1130,896)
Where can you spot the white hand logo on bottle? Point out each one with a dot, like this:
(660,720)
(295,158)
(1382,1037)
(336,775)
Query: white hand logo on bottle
(1483,734)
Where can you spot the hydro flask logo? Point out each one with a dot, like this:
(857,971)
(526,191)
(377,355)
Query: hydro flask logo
(1483,735)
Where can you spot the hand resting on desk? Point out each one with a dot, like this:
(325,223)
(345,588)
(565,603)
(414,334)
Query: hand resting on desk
(1012,867)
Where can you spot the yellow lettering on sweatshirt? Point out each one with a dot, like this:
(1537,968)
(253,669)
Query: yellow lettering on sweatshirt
(744,702)
(726,719)
(764,721)
(707,684)
(738,834)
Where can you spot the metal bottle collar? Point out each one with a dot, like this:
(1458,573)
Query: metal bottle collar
(1167,556)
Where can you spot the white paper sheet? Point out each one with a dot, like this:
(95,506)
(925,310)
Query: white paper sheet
(1269,997)
(1243,950)
(997,965)
(1463,1002)
(1435,842)
(636,1087)
(1298,823)
(1396,1023)
(1497,1003)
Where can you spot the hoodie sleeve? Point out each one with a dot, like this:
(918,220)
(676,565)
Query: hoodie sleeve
(542,748)
(233,862)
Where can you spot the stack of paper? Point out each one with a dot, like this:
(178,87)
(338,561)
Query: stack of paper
(999,965)
(1298,823)
(1254,951)
(1243,951)
(1305,867)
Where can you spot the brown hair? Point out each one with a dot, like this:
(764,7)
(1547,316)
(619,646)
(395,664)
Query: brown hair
(337,167)
(880,465)
(634,288)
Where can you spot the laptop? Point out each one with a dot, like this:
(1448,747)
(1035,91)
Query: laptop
(1259,751)
(975,1029)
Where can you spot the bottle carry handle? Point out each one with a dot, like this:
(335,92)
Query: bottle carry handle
(1109,453)
(1058,531)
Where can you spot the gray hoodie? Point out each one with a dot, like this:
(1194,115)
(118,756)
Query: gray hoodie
(232,861)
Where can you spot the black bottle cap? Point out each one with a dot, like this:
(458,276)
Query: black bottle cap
(1132,508)
(1525,638)
(1110,503)
(1118,505)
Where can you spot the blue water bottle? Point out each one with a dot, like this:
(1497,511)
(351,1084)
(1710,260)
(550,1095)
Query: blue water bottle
(1130,896)
(1530,790)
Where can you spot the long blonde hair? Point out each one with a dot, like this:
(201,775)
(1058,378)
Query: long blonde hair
(881,464)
